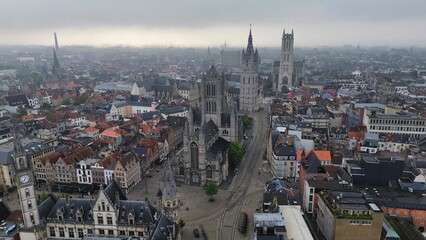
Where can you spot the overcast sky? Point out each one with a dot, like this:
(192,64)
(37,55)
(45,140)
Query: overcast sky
(204,23)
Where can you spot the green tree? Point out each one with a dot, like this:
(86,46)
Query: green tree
(235,154)
(66,101)
(21,111)
(246,122)
(46,106)
(42,196)
(211,190)
(181,223)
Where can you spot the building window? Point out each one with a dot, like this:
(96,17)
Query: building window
(122,233)
(110,232)
(131,233)
(101,232)
(61,232)
(30,206)
(100,220)
(71,232)
(194,155)
(109,220)
(89,231)
(27,192)
(52,231)
(80,232)
(209,172)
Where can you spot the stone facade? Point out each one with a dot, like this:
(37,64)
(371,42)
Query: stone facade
(286,70)
(249,90)
(207,135)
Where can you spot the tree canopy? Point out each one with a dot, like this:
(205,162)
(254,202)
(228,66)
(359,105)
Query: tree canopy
(211,190)
(235,154)
(21,111)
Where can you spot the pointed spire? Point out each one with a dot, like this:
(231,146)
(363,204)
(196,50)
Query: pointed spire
(55,60)
(283,32)
(56,42)
(292,32)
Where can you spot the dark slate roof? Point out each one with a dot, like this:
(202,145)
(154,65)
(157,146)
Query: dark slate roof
(4,211)
(209,129)
(46,206)
(225,120)
(184,85)
(69,208)
(234,90)
(277,187)
(312,164)
(142,152)
(16,100)
(212,72)
(150,115)
(36,147)
(143,212)
(148,84)
(175,120)
(285,150)
(343,175)
(219,146)
(164,229)
(164,88)
(111,190)
(6,157)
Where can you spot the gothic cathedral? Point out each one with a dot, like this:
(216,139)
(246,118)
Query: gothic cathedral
(208,132)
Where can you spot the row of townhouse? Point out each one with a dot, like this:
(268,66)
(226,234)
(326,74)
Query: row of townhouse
(84,168)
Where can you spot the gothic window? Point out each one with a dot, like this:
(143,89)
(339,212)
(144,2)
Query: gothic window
(194,178)
(181,169)
(194,155)
(208,90)
(248,80)
(103,206)
(214,91)
(27,192)
(244,80)
(21,163)
(285,80)
(29,205)
(209,172)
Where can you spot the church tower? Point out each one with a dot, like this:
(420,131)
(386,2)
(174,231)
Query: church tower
(286,63)
(213,96)
(249,77)
(56,68)
(25,185)
(169,197)
(134,94)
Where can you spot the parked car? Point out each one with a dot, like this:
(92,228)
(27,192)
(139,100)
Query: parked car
(196,233)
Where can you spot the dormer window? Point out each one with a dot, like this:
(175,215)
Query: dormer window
(131,219)
(60,215)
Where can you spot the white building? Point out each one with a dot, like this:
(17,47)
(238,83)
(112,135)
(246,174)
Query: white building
(84,172)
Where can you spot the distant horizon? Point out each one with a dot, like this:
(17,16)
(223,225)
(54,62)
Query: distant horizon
(209,46)
(194,23)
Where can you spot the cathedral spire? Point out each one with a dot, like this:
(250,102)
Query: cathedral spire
(250,43)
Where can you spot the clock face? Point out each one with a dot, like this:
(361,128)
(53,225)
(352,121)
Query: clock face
(25,179)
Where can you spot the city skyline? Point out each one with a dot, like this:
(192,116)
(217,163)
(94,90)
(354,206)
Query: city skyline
(191,23)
